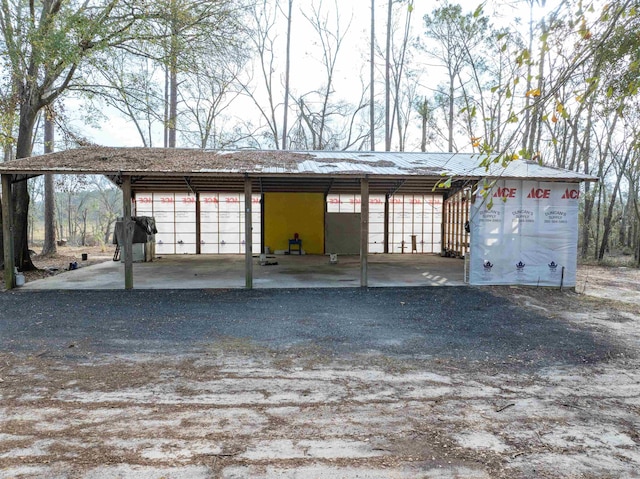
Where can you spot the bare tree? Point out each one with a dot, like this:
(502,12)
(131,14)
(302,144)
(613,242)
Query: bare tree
(287,79)
(263,42)
(452,36)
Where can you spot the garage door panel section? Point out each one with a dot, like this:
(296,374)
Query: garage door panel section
(221,221)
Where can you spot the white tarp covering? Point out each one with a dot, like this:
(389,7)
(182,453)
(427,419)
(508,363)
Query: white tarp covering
(527,236)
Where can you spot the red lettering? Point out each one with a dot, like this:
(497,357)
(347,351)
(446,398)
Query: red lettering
(505,193)
(143,200)
(539,193)
(189,199)
(255,200)
(166,200)
(571,194)
(334,201)
(230,199)
(211,200)
(375,201)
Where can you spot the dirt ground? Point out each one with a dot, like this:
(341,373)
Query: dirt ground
(241,409)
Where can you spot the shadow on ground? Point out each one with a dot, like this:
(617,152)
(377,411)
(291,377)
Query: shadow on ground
(450,323)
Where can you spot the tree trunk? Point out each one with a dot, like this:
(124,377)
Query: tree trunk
(286,80)
(173,101)
(49,246)
(372,114)
(387,88)
(173,78)
(451,110)
(28,116)
(607,219)
(527,100)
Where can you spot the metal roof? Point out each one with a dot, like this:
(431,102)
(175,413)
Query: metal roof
(275,170)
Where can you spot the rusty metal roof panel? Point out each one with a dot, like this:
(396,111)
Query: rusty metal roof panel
(180,161)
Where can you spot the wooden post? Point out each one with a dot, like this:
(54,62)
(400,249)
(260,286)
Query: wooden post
(127,233)
(364,230)
(386,223)
(198,226)
(248,234)
(7,233)
(444,229)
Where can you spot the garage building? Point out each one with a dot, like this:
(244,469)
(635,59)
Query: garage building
(323,202)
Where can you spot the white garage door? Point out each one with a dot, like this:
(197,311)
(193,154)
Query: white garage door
(221,222)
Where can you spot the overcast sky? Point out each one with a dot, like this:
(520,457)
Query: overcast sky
(353,61)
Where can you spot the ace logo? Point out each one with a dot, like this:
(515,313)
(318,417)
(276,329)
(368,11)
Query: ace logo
(571,194)
(539,193)
(505,193)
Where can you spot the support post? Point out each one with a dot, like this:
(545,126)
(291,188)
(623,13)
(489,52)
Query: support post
(198,225)
(7,233)
(386,223)
(248,234)
(127,227)
(364,230)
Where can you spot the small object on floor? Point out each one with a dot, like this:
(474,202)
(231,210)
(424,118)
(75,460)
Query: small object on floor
(73,265)
(333,258)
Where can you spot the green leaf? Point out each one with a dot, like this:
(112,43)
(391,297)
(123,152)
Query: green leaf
(445,184)
(495,88)
(609,92)
(478,11)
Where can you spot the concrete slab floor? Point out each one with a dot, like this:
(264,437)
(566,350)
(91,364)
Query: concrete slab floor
(227,271)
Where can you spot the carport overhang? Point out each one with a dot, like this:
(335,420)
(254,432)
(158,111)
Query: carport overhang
(185,170)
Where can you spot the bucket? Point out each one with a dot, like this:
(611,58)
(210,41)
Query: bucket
(85,256)
(19,279)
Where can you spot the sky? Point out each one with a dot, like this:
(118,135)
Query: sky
(353,60)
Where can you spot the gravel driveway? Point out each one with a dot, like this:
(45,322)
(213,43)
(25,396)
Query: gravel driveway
(326,383)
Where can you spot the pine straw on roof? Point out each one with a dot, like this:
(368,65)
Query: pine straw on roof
(179,160)
(108,159)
